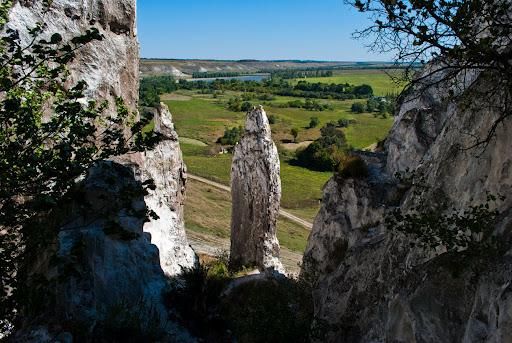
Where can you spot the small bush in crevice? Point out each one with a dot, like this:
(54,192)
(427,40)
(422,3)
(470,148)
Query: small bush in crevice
(353,166)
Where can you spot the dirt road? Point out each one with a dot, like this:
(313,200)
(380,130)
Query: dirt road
(282,212)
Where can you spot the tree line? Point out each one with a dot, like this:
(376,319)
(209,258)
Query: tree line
(281,87)
(296,74)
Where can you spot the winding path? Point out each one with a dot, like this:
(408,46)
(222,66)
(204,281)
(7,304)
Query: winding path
(282,212)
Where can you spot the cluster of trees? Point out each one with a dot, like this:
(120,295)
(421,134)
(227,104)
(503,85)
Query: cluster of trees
(295,74)
(282,87)
(231,136)
(325,153)
(382,106)
(247,96)
(152,87)
(209,74)
(362,91)
(236,104)
(308,104)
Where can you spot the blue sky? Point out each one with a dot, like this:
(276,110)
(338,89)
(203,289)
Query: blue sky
(251,29)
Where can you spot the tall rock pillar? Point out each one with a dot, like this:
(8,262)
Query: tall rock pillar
(256,196)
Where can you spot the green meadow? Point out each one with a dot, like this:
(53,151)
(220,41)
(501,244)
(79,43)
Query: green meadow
(380,80)
(201,119)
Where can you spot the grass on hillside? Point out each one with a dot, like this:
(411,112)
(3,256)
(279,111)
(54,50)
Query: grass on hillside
(205,120)
(201,119)
(208,211)
(380,80)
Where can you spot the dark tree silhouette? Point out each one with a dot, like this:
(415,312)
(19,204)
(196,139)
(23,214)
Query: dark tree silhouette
(463,37)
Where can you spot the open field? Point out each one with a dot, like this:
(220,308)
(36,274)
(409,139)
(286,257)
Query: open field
(208,212)
(204,118)
(201,119)
(302,188)
(380,80)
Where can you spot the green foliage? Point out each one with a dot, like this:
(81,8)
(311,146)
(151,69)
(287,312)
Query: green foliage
(267,89)
(209,74)
(235,104)
(363,91)
(343,123)
(152,87)
(295,74)
(296,104)
(272,119)
(265,97)
(231,136)
(325,153)
(455,230)
(246,106)
(383,82)
(448,32)
(323,90)
(358,107)
(314,122)
(352,166)
(308,104)
(445,228)
(278,310)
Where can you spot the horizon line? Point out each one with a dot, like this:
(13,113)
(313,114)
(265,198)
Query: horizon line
(265,60)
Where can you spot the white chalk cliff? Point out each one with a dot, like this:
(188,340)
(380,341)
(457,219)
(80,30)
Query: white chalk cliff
(370,283)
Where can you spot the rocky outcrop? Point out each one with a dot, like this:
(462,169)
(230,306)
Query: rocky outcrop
(165,168)
(110,66)
(121,240)
(102,269)
(256,196)
(370,283)
(101,275)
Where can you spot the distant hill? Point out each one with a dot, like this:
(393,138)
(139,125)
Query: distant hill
(185,68)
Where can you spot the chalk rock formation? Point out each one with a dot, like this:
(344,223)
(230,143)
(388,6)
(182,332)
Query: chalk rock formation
(102,265)
(256,196)
(118,259)
(370,284)
(110,66)
(101,272)
(164,166)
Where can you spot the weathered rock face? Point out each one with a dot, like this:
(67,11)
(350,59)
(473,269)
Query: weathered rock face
(107,257)
(111,66)
(256,196)
(104,266)
(370,284)
(102,271)
(164,166)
